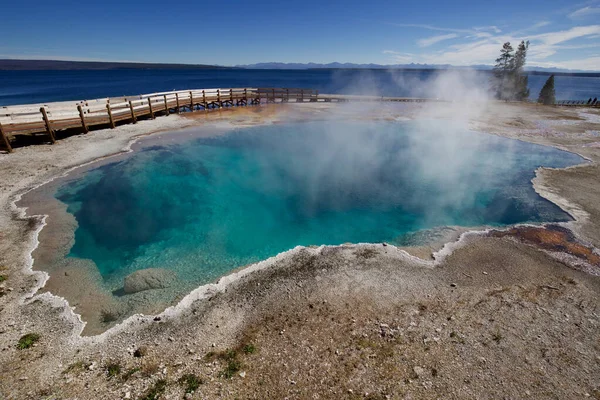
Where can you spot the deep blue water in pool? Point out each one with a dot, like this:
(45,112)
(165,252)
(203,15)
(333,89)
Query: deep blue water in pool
(203,207)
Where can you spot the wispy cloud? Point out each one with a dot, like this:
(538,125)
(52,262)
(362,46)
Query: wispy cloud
(435,39)
(552,38)
(481,46)
(490,28)
(399,57)
(584,12)
(436,28)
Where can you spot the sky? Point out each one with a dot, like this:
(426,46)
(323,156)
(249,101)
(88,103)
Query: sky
(563,34)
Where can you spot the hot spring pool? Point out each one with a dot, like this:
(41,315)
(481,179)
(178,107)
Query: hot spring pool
(204,206)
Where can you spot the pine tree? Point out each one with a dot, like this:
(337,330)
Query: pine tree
(519,78)
(547,94)
(502,71)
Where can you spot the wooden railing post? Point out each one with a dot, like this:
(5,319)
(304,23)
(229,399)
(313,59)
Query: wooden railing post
(273,96)
(302,95)
(231,95)
(219,98)
(83,125)
(177,99)
(287,95)
(133,118)
(191,101)
(5,140)
(246,96)
(166,105)
(110,117)
(48,127)
(204,101)
(150,108)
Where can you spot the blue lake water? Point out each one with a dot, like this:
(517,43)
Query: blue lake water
(23,87)
(204,206)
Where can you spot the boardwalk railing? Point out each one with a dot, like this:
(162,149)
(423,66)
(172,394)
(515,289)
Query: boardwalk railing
(570,103)
(48,118)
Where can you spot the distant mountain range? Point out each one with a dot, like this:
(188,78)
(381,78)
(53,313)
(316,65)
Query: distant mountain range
(411,66)
(29,65)
(11,64)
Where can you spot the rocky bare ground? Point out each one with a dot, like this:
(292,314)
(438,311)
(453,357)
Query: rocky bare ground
(496,317)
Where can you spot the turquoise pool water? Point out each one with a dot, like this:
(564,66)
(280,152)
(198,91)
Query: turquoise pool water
(204,206)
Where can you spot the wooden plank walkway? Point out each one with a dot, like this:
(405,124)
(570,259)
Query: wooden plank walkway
(46,119)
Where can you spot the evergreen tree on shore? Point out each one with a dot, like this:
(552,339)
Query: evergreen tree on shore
(510,81)
(547,94)
(520,79)
(502,72)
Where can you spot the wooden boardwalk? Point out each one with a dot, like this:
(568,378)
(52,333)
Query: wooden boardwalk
(46,119)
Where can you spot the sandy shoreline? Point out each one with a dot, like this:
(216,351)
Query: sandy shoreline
(35,165)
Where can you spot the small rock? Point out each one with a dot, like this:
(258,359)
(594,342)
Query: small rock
(242,374)
(127,395)
(23,378)
(188,396)
(92,366)
(419,371)
(453,284)
(485,273)
(140,351)
(146,279)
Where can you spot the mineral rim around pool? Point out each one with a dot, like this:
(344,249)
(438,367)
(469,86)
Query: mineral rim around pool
(138,231)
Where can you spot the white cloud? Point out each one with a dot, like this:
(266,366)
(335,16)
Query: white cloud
(552,38)
(538,25)
(435,39)
(584,12)
(481,45)
(401,58)
(491,28)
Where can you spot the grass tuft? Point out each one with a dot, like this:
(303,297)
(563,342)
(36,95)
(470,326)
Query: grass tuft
(497,337)
(233,367)
(249,349)
(155,391)
(76,366)
(113,369)
(27,341)
(191,382)
(130,372)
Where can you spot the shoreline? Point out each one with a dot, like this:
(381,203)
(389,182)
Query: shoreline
(444,248)
(102,296)
(138,323)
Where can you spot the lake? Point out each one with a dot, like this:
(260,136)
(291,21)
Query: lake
(25,87)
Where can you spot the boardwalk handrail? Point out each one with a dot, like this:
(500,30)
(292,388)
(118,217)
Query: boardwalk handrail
(47,118)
